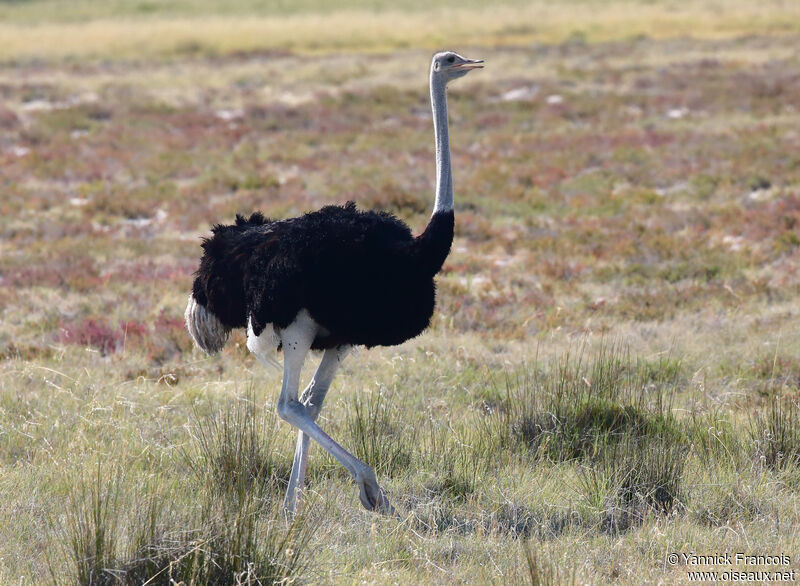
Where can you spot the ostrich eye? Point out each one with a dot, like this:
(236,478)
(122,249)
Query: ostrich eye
(450,59)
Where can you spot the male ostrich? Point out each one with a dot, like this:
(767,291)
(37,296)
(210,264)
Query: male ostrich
(327,280)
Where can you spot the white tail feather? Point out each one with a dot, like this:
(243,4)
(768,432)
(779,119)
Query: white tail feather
(208,333)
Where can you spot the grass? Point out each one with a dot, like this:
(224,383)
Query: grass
(46,30)
(378,438)
(776,433)
(576,410)
(117,530)
(235,450)
(611,374)
(91,532)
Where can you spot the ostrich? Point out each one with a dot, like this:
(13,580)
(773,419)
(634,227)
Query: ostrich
(328,280)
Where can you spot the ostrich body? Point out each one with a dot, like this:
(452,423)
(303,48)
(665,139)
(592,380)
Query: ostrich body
(328,280)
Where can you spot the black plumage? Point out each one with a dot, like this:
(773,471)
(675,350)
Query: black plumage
(361,275)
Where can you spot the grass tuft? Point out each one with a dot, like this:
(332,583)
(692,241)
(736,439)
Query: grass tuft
(91,531)
(244,542)
(236,450)
(611,416)
(573,411)
(379,438)
(776,433)
(542,571)
(234,534)
(458,462)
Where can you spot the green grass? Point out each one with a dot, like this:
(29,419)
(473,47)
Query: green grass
(611,374)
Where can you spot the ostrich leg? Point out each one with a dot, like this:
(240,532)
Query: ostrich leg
(312,398)
(296,339)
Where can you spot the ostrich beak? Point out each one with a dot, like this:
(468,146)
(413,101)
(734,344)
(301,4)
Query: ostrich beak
(469,64)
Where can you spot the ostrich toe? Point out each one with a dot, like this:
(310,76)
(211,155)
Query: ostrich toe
(371,495)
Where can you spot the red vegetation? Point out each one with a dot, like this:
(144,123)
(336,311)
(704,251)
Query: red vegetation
(164,339)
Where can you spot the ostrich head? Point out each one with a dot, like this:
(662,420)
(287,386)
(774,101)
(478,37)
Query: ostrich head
(448,65)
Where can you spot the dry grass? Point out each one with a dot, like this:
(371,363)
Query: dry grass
(195,32)
(611,376)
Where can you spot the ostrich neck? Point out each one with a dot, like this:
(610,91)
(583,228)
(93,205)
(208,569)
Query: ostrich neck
(430,249)
(444,175)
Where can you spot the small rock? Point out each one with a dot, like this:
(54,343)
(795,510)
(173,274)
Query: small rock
(38,106)
(677,113)
(228,115)
(520,94)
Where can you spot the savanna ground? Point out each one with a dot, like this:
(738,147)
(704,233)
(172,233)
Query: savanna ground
(612,373)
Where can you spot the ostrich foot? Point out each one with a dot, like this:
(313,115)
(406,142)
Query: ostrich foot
(291,506)
(371,495)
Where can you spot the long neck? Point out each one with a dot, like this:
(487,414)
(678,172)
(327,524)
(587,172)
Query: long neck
(444,173)
(430,249)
